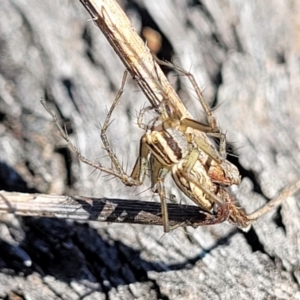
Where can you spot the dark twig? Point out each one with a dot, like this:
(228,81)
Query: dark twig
(101,209)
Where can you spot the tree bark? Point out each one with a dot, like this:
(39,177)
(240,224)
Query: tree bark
(244,56)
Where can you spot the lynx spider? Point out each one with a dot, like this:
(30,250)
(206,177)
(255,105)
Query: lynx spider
(158,168)
(197,168)
(189,174)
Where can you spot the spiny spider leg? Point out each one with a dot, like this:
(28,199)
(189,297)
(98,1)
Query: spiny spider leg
(119,173)
(141,117)
(106,124)
(213,129)
(210,118)
(73,148)
(283,195)
(158,174)
(192,179)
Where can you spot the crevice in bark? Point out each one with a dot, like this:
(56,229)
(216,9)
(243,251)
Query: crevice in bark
(278,219)
(88,40)
(254,242)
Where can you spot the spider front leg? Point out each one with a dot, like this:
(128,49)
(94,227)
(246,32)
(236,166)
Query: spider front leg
(192,179)
(219,169)
(127,180)
(212,129)
(244,221)
(218,213)
(118,171)
(208,112)
(158,173)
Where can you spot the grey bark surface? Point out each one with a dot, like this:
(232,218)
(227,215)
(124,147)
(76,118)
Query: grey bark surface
(244,55)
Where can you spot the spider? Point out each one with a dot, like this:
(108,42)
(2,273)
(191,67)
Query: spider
(180,146)
(168,141)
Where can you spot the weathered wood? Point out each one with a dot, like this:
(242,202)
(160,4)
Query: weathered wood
(244,54)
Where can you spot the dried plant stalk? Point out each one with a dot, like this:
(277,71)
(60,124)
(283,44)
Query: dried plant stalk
(102,210)
(115,210)
(133,52)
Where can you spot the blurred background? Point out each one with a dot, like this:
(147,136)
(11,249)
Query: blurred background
(245,58)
